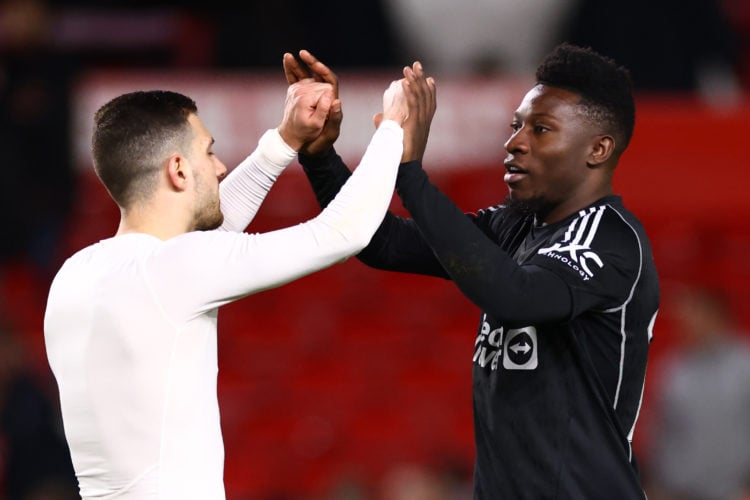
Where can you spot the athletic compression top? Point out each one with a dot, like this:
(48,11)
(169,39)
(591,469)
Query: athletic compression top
(560,355)
(130,325)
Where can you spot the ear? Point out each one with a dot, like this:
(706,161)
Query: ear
(602,148)
(177,174)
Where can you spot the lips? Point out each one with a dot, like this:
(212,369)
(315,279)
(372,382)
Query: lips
(513,178)
(513,173)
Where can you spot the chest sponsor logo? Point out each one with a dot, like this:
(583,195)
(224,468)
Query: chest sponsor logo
(575,249)
(515,348)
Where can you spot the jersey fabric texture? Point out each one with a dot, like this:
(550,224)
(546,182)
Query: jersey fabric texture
(131,324)
(560,355)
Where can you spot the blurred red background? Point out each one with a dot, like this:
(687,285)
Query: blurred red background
(344,373)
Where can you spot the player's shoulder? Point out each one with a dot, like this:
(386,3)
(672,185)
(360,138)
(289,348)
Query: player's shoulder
(602,235)
(605,228)
(113,250)
(608,222)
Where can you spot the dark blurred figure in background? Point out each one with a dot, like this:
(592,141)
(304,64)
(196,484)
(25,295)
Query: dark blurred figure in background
(698,444)
(38,180)
(34,459)
(669,45)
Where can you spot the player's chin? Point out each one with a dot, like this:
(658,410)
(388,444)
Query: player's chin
(518,195)
(210,223)
(524,193)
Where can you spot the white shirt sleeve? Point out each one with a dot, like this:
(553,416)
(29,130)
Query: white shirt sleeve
(245,188)
(223,266)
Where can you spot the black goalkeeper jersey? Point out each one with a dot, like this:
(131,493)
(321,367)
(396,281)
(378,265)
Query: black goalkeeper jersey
(560,354)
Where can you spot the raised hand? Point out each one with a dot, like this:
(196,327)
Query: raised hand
(306,109)
(311,67)
(421,94)
(421,99)
(395,106)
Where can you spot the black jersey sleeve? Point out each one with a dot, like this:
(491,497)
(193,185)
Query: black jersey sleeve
(397,245)
(327,173)
(483,271)
(600,256)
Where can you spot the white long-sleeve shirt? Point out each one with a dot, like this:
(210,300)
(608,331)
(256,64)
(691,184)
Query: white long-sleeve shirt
(130,326)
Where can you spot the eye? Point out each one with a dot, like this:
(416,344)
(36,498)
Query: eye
(515,126)
(539,129)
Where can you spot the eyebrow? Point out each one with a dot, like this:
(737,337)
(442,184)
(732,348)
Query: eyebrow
(517,115)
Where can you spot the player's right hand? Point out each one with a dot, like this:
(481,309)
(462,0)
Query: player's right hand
(306,110)
(421,95)
(313,68)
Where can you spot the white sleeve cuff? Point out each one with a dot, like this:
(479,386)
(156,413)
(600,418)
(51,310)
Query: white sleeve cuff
(391,124)
(274,152)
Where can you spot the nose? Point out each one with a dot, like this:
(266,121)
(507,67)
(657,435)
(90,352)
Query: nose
(221,169)
(516,142)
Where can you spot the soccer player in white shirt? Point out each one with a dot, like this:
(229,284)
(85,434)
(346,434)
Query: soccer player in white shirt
(131,321)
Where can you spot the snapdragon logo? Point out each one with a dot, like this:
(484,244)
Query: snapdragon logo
(575,249)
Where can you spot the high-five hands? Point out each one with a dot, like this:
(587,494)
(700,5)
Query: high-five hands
(421,95)
(306,109)
(418,90)
(319,72)
(395,104)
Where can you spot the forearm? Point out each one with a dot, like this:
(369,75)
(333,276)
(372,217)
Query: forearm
(396,245)
(245,188)
(326,173)
(484,272)
(360,204)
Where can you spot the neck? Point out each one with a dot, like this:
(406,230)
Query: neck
(162,224)
(562,210)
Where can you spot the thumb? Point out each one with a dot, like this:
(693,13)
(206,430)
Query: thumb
(324,105)
(377,119)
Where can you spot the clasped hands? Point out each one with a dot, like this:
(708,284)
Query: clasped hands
(313,112)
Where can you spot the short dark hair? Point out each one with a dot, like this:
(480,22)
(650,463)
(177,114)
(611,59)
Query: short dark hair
(133,135)
(606,89)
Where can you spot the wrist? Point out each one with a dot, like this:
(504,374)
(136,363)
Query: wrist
(317,159)
(274,150)
(290,139)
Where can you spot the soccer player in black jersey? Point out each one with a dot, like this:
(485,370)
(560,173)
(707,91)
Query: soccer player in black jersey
(562,271)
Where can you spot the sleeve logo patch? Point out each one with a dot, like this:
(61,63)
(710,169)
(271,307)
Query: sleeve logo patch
(575,249)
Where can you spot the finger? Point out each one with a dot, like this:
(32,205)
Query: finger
(418,78)
(433,91)
(323,106)
(414,91)
(423,89)
(293,71)
(320,71)
(335,114)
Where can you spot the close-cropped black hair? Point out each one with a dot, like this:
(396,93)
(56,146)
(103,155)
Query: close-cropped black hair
(605,87)
(132,134)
